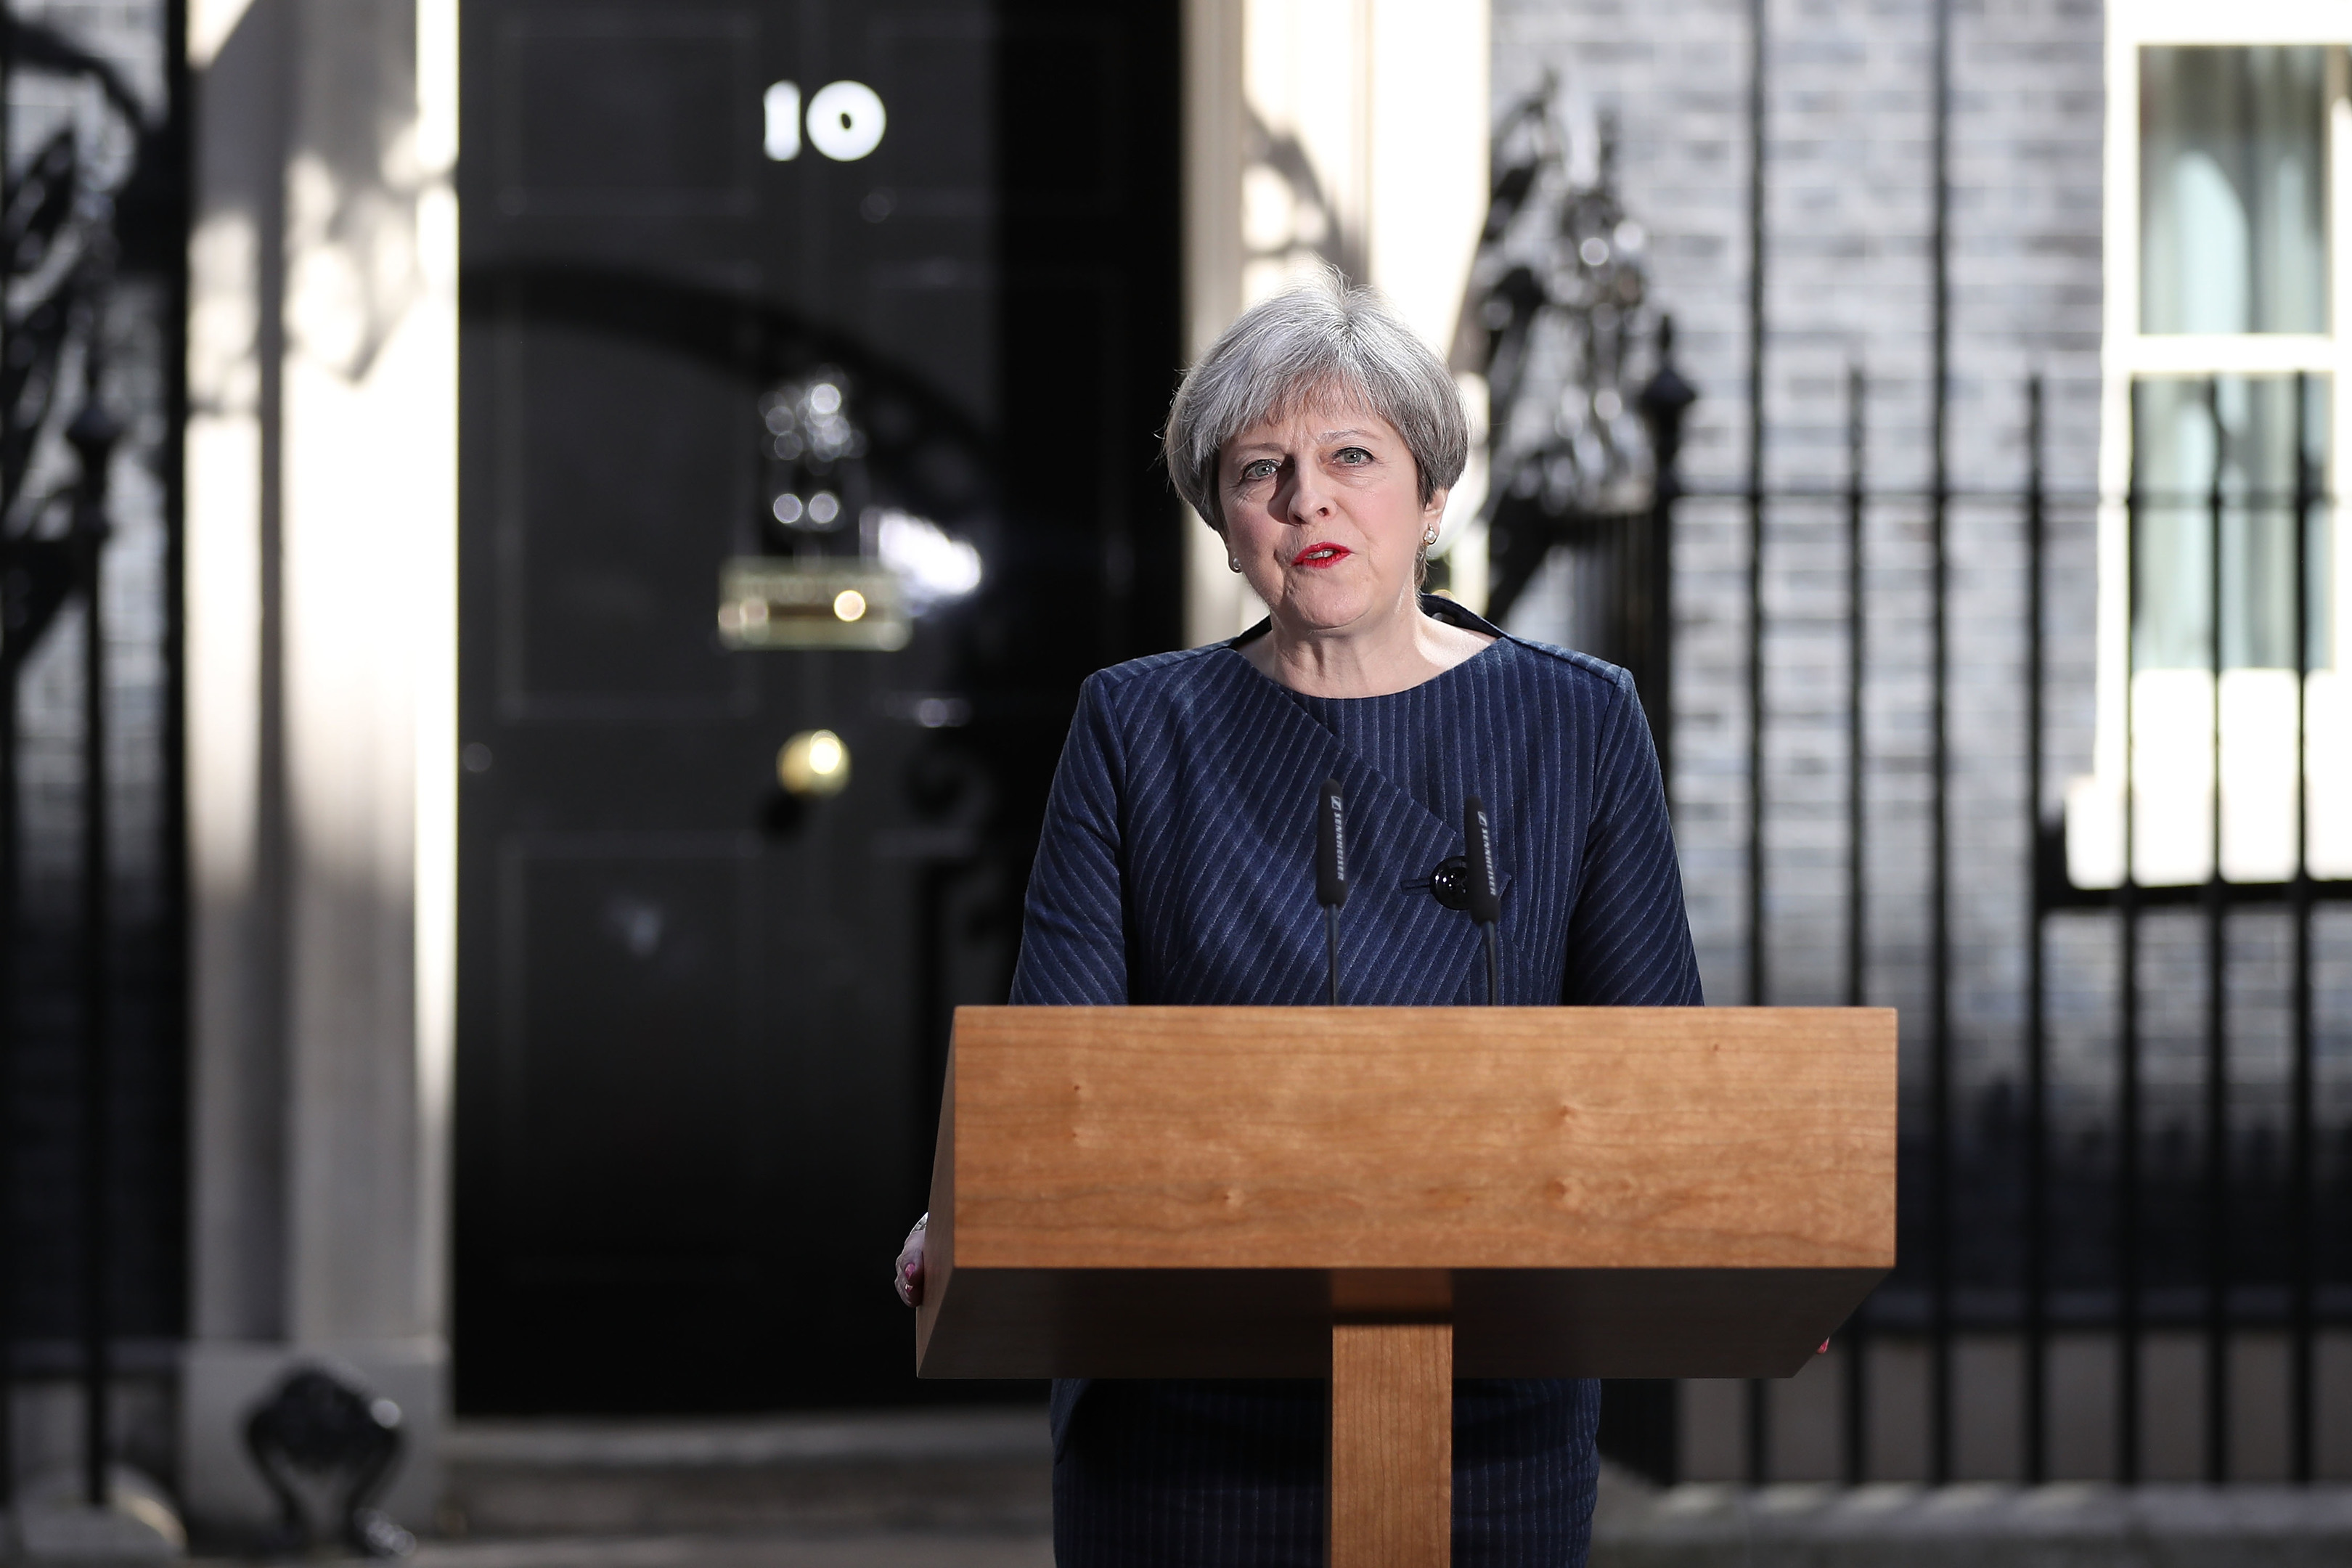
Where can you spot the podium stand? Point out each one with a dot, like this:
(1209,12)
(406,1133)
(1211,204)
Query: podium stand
(1390,1197)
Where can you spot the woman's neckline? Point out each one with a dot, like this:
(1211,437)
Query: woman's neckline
(1474,623)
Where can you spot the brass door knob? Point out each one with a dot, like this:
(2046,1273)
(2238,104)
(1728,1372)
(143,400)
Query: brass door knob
(814,763)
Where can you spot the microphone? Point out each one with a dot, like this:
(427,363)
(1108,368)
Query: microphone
(1331,869)
(1485,898)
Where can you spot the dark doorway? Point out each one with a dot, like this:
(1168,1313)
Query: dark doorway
(708,318)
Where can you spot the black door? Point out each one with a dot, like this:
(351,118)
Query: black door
(842,291)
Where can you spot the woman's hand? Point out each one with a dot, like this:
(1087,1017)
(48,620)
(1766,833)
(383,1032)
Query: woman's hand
(908,1275)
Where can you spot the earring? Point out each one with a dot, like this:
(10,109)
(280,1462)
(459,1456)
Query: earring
(1429,539)
(1233,563)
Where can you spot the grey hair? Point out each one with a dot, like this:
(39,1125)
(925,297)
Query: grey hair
(1317,339)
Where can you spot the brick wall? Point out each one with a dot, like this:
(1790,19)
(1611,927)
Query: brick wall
(1849,224)
(1849,220)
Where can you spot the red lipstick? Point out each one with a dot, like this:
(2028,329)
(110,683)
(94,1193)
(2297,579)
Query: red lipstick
(1321,553)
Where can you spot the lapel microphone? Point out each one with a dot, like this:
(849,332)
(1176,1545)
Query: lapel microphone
(1331,869)
(1485,899)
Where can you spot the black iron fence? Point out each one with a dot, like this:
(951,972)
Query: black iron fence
(2127,1090)
(2130,1129)
(92,247)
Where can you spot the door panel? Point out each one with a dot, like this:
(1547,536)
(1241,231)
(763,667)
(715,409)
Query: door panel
(626,480)
(627,113)
(628,964)
(701,1021)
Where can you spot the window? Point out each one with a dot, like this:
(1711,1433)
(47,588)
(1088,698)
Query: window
(2229,163)
(2233,219)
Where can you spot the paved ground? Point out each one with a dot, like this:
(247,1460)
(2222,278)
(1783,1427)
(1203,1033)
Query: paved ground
(947,1489)
(982,1473)
(1894,1526)
(970,1488)
(894,1548)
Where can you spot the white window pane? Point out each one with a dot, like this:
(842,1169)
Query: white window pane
(2180,429)
(2232,173)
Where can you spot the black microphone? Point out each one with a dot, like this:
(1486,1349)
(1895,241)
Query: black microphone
(1331,869)
(1485,898)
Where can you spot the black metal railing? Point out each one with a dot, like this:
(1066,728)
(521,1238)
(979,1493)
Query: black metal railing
(2140,1202)
(93,302)
(2097,1159)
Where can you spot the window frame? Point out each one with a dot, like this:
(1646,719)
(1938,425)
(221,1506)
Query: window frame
(2128,354)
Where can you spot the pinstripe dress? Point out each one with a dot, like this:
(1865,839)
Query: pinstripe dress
(1176,865)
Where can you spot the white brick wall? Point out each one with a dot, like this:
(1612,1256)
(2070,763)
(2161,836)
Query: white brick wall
(1849,221)
(1850,169)
(1850,249)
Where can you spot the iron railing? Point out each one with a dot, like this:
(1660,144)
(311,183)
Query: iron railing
(2094,1184)
(2208,1214)
(92,282)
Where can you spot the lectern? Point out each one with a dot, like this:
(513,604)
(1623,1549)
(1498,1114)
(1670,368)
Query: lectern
(1390,1196)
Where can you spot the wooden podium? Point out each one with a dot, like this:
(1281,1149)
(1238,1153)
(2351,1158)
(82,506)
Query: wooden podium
(1390,1197)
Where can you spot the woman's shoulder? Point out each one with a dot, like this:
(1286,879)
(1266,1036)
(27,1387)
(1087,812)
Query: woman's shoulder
(1159,676)
(1517,659)
(1548,706)
(1153,700)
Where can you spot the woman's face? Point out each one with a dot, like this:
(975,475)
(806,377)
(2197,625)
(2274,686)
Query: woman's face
(1323,511)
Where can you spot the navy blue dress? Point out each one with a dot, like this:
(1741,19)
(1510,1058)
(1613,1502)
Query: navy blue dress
(1177,866)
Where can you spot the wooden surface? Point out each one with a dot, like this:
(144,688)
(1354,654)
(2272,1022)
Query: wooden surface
(1618,1192)
(1391,1453)
(1424,1138)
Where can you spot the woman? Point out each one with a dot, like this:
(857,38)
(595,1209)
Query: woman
(1318,438)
